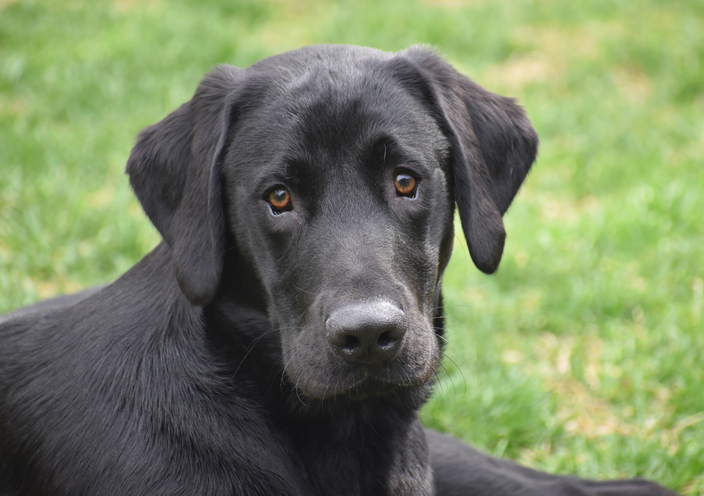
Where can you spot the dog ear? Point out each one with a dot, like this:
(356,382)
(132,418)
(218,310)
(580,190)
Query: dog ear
(493,146)
(174,170)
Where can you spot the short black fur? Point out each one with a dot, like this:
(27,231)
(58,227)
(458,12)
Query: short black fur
(279,351)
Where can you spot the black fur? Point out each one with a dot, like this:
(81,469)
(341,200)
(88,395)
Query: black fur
(266,351)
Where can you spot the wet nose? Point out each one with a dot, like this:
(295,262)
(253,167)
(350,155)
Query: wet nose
(366,333)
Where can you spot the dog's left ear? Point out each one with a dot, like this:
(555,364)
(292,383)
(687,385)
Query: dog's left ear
(493,146)
(174,170)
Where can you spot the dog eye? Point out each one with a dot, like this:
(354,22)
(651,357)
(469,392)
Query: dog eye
(279,199)
(406,185)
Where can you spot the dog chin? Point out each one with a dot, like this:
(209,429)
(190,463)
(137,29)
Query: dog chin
(370,389)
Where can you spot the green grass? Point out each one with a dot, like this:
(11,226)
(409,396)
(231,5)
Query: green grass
(583,354)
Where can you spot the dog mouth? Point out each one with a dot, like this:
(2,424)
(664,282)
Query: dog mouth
(375,388)
(361,384)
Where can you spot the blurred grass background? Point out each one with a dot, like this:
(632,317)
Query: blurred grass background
(584,354)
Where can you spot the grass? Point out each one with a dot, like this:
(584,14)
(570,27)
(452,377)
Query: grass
(583,354)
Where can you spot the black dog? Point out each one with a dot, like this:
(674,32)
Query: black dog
(283,336)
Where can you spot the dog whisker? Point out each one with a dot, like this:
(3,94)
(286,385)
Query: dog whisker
(250,348)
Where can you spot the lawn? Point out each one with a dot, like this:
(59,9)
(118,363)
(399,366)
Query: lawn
(583,354)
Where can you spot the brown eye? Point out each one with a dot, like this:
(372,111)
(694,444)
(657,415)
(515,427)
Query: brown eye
(279,199)
(405,184)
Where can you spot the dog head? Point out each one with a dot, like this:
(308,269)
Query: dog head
(331,173)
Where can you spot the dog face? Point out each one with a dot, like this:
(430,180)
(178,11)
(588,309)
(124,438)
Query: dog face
(344,211)
(332,173)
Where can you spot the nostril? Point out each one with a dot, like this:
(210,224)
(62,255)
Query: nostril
(350,344)
(386,341)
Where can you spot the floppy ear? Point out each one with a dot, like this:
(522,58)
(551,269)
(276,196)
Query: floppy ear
(493,145)
(174,170)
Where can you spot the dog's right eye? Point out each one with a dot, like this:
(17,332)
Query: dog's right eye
(279,199)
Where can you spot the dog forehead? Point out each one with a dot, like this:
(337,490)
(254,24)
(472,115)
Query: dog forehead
(326,105)
(333,82)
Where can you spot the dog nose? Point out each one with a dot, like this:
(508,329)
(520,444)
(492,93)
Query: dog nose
(366,333)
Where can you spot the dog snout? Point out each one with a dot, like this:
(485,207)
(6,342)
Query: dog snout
(366,333)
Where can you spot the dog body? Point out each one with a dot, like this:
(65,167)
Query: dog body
(282,337)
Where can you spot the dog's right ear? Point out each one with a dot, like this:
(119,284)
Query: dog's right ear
(174,170)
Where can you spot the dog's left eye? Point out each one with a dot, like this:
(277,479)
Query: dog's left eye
(406,185)
(279,199)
